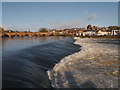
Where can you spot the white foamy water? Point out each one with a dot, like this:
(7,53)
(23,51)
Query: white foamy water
(95,66)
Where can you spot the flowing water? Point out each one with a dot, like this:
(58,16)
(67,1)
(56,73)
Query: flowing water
(94,66)
(58,62)
(25,61)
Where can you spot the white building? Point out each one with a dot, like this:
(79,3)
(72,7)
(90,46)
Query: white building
(115,32)
(88,32)
(101,33)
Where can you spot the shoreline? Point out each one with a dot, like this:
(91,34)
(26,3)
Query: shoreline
(94,66)
(107,37)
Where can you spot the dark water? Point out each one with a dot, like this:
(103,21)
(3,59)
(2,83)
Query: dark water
(26,67)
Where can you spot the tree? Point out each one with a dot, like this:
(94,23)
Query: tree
(9,31)
(43,30)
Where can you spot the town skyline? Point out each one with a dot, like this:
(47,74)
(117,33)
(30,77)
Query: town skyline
(88,27)
(52,15)
(90,31)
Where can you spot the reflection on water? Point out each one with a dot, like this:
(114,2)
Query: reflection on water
(12,44)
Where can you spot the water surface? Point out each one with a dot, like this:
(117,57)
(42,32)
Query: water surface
(26,62)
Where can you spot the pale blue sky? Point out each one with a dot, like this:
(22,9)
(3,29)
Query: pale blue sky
(60,0)
(60,15)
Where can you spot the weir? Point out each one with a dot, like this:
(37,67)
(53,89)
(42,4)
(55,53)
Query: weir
(28,68)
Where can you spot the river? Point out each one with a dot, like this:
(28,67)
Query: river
(25,61)
(60,62)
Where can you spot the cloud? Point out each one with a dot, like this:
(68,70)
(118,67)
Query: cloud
(63,25)
(9,27)
(33,28)
(86,12)
(54,25)
(92,16)
(15,28)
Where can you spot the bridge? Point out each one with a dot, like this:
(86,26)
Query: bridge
(22,34)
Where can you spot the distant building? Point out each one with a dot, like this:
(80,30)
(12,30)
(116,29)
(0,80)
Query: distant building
(94,28)
(114,27)
(88,33)
(102,32)
(77,29)
(115,32)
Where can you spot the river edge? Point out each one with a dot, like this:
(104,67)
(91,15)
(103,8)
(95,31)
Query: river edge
(95,66)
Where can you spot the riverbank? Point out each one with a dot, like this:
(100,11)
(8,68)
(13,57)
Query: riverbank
(102,37)
(95,66)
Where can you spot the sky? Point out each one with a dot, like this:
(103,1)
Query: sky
(22,16)
(60,0)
